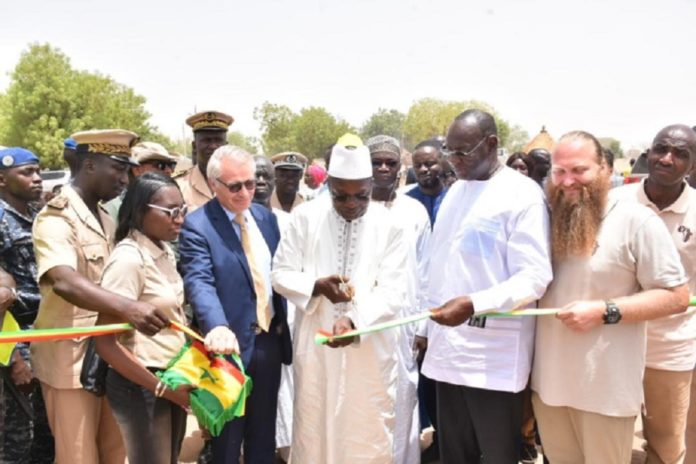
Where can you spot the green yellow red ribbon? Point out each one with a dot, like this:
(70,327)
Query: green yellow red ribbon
(322,337)
(11,334)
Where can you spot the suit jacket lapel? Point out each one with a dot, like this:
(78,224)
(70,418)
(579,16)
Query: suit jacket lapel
(228,236)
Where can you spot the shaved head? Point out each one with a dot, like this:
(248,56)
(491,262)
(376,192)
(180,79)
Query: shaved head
(680,132)
(484,121)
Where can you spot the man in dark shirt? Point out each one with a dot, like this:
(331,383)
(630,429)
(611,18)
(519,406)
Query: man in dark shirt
(428,166)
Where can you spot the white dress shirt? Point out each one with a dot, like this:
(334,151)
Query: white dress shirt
(490,242)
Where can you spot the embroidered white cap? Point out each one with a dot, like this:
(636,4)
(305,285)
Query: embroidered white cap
(350,163)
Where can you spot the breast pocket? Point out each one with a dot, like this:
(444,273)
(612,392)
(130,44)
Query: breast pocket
(95,255)
(479,237)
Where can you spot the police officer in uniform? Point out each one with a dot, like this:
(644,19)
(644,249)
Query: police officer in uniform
(73,236)
(289,169)
(20,191)
(209,133)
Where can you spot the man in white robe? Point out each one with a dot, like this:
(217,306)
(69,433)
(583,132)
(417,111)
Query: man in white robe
(489,252)
(409,214)
(343,263)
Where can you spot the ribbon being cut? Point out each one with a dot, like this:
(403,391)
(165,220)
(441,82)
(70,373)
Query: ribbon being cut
(322,337)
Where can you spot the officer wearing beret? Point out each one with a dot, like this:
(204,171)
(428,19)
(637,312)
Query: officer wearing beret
(69,155)
(20,191)
(289,168)
(73,236)
(209,133)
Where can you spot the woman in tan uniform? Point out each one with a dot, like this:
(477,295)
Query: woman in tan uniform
(142,267)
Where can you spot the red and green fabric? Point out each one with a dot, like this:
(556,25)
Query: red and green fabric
(221,386)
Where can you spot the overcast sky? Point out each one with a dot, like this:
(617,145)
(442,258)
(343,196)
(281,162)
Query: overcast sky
(621,68)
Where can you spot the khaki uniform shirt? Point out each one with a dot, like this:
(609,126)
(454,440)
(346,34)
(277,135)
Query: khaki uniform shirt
(194,189)
(275,203)
(140,270)
(672,339)
(66,233)
(601,370)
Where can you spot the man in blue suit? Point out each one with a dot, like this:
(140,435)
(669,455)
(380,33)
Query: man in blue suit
(226,250)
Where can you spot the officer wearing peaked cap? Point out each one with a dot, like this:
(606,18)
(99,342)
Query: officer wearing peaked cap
(73,237)
(209,133)
(289,167)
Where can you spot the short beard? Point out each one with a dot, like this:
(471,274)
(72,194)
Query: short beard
(432,183)
(575,224)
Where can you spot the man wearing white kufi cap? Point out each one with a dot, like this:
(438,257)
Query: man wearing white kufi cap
(342,263)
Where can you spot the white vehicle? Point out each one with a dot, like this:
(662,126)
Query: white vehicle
(52,180)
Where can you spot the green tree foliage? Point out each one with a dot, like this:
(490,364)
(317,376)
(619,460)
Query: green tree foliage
(613,144)
(246,142)
(384,122)
(276,127)
(48,100)
(429,117)
(314,129)
(310,131)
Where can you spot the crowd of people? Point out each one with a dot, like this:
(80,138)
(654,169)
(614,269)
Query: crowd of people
(594,284)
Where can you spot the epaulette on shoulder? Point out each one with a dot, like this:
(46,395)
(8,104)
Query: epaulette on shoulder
(182,173)
(58,202)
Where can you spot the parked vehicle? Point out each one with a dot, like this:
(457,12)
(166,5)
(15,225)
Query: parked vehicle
(52,180)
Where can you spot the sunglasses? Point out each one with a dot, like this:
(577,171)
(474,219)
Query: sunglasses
(162,165)
(449,153)
(235,187)
(179,211)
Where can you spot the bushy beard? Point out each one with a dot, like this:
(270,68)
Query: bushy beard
(575,223)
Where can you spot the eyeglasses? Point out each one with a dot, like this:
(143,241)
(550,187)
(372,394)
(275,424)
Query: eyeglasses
(161,165)
(179,211)
(361,197)
(235,187)
(449,153)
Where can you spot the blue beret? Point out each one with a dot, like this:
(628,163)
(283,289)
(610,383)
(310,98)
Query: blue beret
(16,156)
(70,143)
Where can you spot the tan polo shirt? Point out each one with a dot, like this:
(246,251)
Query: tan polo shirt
(601,370)
(672,339)
(275,203)
(66,233)
(194,188)
(140,270)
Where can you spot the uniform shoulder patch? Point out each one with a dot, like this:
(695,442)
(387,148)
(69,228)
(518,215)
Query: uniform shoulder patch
(182,173)
(58,202)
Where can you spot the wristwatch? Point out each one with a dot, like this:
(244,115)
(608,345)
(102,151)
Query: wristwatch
(612,315)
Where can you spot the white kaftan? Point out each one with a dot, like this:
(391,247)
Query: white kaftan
(344,409)
(285,392)
(491,242)
(409,214)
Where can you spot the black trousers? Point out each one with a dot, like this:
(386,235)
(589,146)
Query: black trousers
(478,426)
(257,428)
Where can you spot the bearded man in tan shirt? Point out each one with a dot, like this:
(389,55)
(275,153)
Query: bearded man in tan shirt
(615,267)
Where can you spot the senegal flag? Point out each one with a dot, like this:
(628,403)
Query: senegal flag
(222,388)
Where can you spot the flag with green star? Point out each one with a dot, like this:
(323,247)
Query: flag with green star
(221,386)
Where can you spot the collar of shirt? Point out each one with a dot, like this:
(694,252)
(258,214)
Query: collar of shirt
(151,247)
(82,211)
(680,206)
